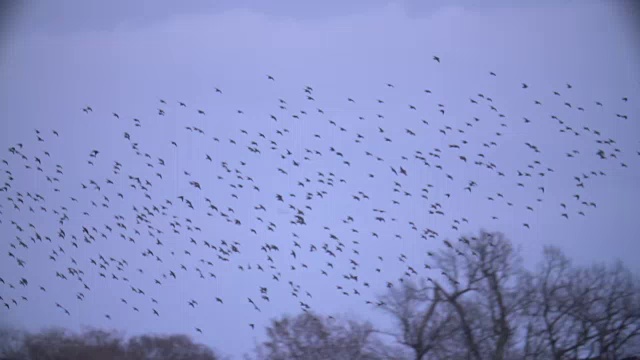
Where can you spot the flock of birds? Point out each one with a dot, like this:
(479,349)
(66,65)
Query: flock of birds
(264,186)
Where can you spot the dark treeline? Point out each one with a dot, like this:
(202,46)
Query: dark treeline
(99,345)
(484,305)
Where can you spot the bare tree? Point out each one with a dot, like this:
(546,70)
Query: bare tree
(421,315)
(481,287)
(554,296)
(575,312)
(171,347)
(309,336)
(611,309)
(11,341)
(60,344)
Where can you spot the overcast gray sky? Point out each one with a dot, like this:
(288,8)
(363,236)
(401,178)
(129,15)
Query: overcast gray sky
(57,58)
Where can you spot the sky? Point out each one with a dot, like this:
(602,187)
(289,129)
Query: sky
(58,58)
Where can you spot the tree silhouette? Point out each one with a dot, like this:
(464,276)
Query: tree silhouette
(486,305)
(588,311)
(481,288)
(60,344)
(309,337)
(423,318)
